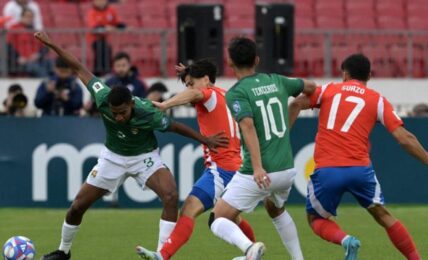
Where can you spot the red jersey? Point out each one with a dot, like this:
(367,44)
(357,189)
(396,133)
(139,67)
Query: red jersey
(213,117)
(24,43)
(101,18)
(348,113)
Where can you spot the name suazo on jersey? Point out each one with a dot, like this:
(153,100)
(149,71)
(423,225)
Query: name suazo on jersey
(350,111)
(213,117)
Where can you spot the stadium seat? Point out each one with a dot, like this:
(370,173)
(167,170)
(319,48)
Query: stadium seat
(330,22)
(304,22)
(355,22)
(417,22)
(390,8)
(391,22)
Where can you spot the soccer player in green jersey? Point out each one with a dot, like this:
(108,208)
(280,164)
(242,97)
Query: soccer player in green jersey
(131,150)
(259,103)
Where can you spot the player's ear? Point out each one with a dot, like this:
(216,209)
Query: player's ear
(230,62)
(257,61)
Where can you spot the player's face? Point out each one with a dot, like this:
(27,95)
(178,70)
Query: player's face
(122,113)
(121,68)
(196,83)
(100,3)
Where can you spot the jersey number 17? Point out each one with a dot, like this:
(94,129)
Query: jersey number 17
(360,103)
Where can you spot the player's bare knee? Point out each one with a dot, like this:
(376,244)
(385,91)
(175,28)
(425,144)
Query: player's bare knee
(170,198)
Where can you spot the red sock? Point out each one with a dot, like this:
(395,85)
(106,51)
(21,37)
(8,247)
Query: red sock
(402,240)
(247,229)
(328,230)
(179,236)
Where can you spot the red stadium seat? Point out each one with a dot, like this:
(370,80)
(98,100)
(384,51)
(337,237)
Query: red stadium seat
(339,54)
(391,22)
(417,22)
(355,22)
(330,22)
(304,23)
(67,22)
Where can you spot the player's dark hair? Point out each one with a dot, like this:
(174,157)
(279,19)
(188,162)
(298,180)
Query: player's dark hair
(60,63)
(242,51)
(119,96)
(200,69)
(358,66)
(14,88)
(122,55)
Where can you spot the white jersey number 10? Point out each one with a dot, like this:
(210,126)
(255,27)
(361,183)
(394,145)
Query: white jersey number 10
(360,103)
(269,118)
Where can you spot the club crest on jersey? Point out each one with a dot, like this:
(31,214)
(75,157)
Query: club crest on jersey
(236,106)
(134,131)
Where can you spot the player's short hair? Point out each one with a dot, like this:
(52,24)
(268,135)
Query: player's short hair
(14,88)
(200,69)
(60,63)
(122,55)
(119,96)
(358,66)
(242,52)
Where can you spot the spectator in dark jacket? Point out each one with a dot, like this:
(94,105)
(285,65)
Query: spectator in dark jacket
(124,75)
(61,94)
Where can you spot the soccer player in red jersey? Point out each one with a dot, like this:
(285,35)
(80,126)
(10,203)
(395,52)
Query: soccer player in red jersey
(213,117)
(348,112)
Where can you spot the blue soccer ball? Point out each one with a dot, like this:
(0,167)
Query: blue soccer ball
(19,248)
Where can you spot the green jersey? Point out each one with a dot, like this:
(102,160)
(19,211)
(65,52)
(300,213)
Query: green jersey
(264,97)
(135,136)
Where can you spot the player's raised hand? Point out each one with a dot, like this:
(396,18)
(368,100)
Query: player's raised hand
(43,37)
(261,178)
(180,68)
(217,140)
(160,105)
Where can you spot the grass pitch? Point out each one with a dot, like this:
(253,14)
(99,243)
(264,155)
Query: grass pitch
(114,233)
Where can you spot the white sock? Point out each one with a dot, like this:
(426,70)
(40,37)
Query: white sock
(67,236)
(165,230)
(286,228)
(231,233)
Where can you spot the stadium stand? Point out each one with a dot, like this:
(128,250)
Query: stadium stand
(390,32)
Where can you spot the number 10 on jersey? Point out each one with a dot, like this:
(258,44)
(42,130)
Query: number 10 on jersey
(269,117)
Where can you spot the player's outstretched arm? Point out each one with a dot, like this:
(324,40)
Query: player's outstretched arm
(410,143)
(252,142)
(302,102)
(212,142)
(82,72)
(184,97)
(309,87)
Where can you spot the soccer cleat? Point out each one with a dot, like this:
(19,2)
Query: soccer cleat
(255,252)
(351,245)
(147,254)
(57,255)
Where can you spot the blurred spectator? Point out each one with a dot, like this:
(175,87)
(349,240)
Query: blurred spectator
(26,54)
(420,110)
(16,101)
(14,8)
(156,92)
(126,75)
(102,18)
(60,94)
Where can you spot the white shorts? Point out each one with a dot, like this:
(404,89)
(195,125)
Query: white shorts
(112,169)
(243,194)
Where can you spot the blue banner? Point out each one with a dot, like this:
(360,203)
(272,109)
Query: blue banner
(44,161)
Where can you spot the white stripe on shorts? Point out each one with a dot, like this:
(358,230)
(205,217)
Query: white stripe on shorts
(316,204)
(376,198)
(218,189)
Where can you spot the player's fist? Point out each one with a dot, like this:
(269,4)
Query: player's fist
(43,37)
(160,105)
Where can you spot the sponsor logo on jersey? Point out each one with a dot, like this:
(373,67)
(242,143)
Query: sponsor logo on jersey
(236,106)
(121,135)
(164,122)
